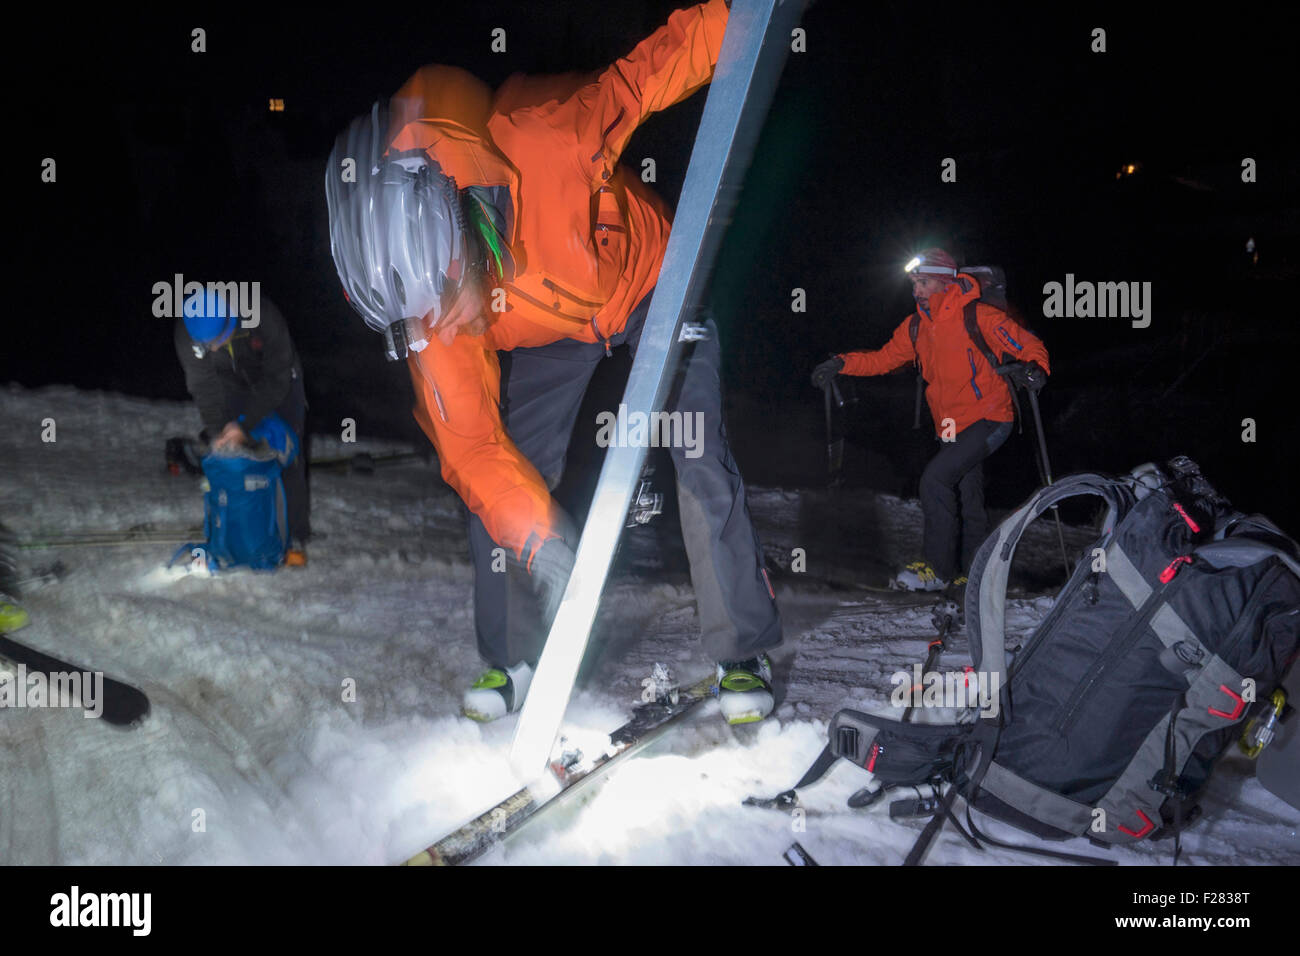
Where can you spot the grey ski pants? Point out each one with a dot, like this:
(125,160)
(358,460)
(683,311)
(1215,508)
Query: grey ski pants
(541,397)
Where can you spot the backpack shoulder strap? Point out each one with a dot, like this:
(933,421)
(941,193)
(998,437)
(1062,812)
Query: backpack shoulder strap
(1247,540)
(976,336)
(913,330)
(981,343)
(986,592)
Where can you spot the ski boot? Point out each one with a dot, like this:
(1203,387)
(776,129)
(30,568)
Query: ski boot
(745,689)
(497,692)
(12,617)
(918,576)
(296,556)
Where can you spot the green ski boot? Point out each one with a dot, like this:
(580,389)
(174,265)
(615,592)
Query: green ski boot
(745,689)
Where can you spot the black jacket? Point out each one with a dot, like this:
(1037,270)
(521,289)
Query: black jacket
(250,375)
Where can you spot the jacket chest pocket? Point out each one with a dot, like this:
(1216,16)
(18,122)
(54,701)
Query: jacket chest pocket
(609,237)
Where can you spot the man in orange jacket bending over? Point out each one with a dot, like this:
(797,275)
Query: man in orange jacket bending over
(970,401)
(474,223)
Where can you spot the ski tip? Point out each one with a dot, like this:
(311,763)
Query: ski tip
(125,723)
(429,857)
(796,855)
(127,708)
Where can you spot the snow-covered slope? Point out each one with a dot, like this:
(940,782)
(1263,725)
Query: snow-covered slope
(252,754)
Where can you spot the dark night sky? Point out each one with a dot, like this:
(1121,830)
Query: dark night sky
(169,162)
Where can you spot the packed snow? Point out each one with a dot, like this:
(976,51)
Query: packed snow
(253,752)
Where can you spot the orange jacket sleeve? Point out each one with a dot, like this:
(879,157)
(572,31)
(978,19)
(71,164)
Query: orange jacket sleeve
(663,69)
(1008,337)
(896,353)
(457,391)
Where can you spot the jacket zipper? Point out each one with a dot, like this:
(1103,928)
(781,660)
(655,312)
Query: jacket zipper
(594,305)
(609,129)
(234,363)
(1120,646)
(595,328)
(970,357)
(554,309)
(1045,630)
(1261,589)
(1007,335)
(560,291)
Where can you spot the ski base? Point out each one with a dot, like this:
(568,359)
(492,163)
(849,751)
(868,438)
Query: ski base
(123,705)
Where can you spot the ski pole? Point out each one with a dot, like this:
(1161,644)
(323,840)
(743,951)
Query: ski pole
(944,617)
(834,446)
(1047,474)
(830,435)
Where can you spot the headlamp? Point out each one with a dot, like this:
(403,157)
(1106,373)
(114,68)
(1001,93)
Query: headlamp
(403,336)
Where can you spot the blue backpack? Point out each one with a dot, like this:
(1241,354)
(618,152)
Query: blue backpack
(244,515)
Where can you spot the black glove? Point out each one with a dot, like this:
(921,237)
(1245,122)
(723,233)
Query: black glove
(824,373)
(1027,375)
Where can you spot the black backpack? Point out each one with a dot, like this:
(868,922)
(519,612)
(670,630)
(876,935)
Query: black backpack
(1176,626)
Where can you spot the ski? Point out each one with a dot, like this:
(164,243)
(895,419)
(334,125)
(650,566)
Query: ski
(753,52)
(574,773)
(110,537)
(364,463)
(39,577)
(186,455)
(123,705)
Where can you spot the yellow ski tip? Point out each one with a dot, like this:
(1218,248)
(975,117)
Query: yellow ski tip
(12,617)
(429,857)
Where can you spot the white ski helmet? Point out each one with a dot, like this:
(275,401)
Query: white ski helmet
(397,233)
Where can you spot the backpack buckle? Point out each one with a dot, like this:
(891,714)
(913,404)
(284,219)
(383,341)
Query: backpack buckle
(1239,705)
(1147,827)
(1166,784)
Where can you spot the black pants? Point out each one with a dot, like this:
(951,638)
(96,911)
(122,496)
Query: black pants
(297,483)
(541,396)
(952,497)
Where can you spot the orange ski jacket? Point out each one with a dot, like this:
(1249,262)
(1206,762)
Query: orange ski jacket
(586,237)
(959,382)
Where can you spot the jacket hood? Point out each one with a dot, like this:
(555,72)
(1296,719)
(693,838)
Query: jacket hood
(444,111)
(965,288)
(445,94)
(968,290)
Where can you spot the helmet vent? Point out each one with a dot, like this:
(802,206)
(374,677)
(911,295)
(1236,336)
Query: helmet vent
(398,289)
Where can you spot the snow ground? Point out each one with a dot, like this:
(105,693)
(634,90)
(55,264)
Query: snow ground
(251,754)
